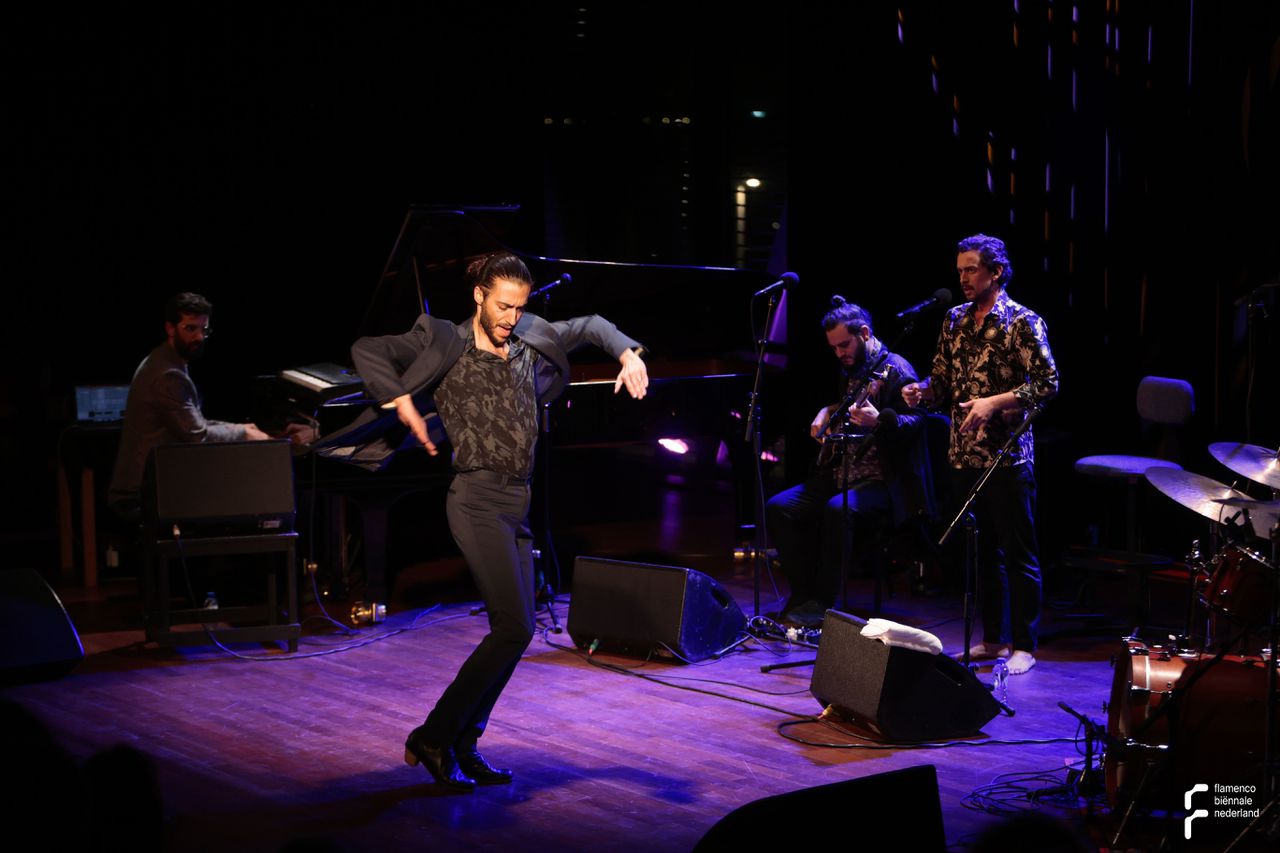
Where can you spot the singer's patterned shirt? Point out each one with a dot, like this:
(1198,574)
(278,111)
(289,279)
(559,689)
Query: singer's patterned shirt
(1008,352)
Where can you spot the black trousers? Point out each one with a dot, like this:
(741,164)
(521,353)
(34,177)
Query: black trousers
(804,523)
(488,516)
(1008,561)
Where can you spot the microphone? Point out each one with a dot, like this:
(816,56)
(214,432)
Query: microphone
(1255,294)
(564,278)
(941,298)
(787,281)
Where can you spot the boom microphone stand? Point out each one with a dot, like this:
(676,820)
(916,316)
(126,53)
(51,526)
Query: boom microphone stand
(752,435)
(970,521)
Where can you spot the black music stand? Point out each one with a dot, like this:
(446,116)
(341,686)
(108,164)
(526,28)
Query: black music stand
(220,499)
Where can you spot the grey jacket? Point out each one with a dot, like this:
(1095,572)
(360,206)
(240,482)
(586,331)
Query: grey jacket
(414,363)
(163,407)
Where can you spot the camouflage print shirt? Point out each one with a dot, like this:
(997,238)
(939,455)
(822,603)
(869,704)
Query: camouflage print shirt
(1008,352)
(489,407)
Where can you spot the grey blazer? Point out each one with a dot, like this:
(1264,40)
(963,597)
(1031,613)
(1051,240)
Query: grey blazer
(415,363)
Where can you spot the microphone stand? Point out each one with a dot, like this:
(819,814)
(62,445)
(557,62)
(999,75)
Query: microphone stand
(1256,312)
(548,550)
(966,516)
(1088,782)
(753,436)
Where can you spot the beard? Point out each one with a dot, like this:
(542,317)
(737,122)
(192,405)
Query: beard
(490,328)
(188,351)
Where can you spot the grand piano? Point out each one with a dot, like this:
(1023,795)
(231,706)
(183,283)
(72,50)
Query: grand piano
(693,321)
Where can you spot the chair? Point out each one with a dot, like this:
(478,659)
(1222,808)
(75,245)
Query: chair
(1162,402)
(915,538)
(1163,405)
(220,499)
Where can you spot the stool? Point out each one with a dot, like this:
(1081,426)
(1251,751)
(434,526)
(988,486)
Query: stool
(157,554)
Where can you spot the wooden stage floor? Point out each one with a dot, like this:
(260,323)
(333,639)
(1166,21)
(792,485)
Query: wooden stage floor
(254,753)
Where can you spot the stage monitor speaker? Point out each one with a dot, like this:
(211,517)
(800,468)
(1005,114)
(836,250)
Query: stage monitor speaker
(642,609)
(900,694)
(218,488)
(897,810)
(37,639)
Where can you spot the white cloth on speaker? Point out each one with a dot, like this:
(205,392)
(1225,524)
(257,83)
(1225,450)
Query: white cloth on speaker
(904,636)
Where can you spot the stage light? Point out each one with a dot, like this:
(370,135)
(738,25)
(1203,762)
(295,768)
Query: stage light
(677,446)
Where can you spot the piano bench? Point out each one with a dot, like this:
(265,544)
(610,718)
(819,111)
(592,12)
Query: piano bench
(158,555)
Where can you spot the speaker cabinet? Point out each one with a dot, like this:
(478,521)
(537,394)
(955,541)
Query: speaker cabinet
(897,810)
(37,639)
(900,694)
(641,609)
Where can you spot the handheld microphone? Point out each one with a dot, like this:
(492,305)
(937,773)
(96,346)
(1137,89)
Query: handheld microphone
(941,298)
(787,281)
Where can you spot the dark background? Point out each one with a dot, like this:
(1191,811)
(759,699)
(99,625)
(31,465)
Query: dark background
(265,154)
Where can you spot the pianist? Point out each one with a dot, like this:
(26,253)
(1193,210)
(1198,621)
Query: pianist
(163,404)
(487,376)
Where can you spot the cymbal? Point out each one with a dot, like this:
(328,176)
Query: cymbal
(1248,502)
(1248,460)
(1208,497)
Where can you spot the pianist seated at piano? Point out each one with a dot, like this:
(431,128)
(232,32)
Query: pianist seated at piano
(487,377)
(888,486)
(164,406)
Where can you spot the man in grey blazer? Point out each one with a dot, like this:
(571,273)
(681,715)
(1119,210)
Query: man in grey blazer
(164,406)
(487,378)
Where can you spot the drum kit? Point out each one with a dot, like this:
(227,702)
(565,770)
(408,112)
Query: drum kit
(1181,715)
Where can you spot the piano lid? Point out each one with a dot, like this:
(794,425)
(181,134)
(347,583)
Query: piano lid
(683,314)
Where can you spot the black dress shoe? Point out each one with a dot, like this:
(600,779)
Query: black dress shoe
(477,767)
(440,762)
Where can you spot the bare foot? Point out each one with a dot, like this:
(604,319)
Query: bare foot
(985,651)
(1021,662)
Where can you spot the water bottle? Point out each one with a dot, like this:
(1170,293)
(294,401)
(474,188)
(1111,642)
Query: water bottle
(1000,680)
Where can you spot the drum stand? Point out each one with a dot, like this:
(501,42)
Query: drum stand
(1271,773)
(1169,708)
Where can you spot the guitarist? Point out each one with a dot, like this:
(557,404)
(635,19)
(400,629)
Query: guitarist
(888,486)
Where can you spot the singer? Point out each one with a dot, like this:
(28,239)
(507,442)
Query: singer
(487,376)
(992,364)
(890,484)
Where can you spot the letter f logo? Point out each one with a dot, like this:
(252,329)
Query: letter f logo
(1186,801)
